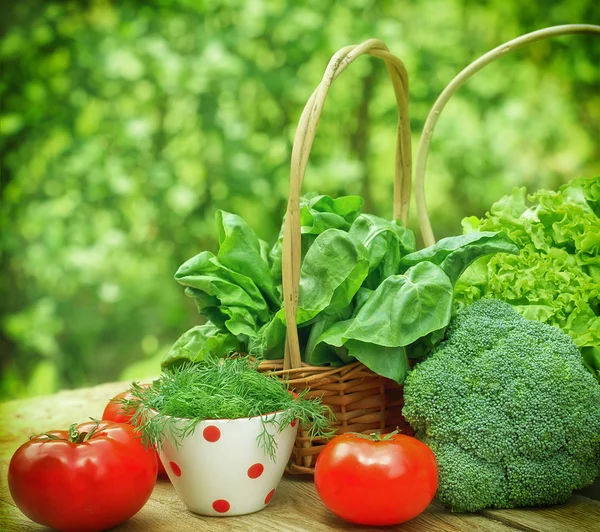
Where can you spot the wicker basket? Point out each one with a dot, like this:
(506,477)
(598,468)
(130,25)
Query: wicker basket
(361,400)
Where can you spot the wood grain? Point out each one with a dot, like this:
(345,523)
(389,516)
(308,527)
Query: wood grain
(295,507)
(562,517)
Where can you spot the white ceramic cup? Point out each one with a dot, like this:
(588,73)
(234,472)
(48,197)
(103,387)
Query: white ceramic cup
(220,470)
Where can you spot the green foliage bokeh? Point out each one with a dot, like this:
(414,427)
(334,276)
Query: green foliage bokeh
(124,125)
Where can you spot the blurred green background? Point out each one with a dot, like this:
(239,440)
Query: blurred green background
(124,125)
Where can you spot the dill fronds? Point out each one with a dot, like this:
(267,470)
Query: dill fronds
(221,388)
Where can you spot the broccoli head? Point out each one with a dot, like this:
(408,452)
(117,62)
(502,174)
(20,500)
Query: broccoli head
(508,408)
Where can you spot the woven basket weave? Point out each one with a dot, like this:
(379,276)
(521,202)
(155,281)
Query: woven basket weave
(361,400)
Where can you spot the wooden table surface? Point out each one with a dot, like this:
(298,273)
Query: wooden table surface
(295,507)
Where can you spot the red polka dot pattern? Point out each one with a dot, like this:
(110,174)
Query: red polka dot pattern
(255,470)
(211,433)
(269,496)
(175,468)
(221,506)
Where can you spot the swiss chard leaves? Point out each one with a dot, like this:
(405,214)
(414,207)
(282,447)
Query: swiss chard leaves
(390,362)
(320,353)
(403,308)
(332,272)
(270,340)
(317,214)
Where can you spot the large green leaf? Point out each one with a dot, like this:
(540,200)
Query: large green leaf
(208,306)
(404,308)
(231,294)
(319,353)
(241,251)
(332,272)
(400,311)
(387,242)
(319,213)
(454,254)
(376,234)
(199,342)
(390,362)
(270,341)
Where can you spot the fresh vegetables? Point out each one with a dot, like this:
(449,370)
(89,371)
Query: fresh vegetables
(229,388)
(376,480)
(509,410)
(88,478)
(365,294)
(114,411)
(556,277)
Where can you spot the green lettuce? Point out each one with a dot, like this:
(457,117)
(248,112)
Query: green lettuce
(556,277)
(364,294)
(317,214)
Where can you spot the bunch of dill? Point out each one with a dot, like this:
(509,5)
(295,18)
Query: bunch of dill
(220,388)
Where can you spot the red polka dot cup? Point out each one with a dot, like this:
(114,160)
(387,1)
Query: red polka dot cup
(220,470)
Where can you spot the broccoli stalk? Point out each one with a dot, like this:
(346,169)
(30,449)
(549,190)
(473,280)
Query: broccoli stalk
(508,408)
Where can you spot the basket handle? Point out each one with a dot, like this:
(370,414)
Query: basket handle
(452,87)
(303,140)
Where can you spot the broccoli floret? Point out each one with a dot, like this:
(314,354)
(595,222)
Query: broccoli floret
(508,408)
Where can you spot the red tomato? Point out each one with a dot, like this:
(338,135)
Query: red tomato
(114,411)
(376,481)
(85,479)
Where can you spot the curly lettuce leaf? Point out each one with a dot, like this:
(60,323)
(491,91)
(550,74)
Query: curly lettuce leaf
(556,276)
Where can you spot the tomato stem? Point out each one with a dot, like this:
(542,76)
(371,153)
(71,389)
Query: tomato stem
(81,437)
(74,435)
(376,436)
